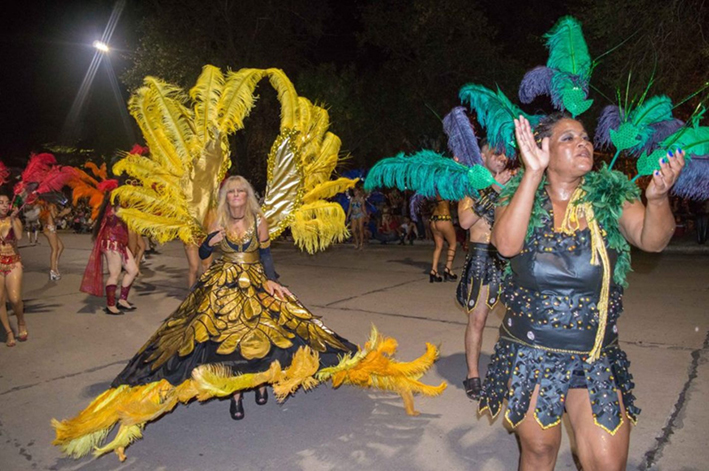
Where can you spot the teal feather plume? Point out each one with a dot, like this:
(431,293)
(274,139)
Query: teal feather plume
(429,174)
(495,113)
(568,52)
(568,72)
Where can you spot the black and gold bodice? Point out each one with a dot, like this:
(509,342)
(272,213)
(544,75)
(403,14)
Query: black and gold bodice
(553,291)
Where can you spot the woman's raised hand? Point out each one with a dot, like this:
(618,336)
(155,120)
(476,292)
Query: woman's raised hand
(218,237)
(663,179)
(535,159)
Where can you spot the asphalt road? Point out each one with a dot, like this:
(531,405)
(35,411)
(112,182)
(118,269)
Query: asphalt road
(74,351)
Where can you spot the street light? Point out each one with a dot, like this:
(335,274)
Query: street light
(101,46)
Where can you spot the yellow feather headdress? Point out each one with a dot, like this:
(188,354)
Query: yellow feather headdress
(189,157)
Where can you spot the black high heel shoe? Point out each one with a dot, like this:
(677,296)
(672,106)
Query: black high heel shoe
(236,408)
(449,275)
(434,276)
(261,399)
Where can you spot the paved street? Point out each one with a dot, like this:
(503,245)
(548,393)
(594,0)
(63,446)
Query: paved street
(74,351)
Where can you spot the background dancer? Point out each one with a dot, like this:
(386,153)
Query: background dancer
(48,217)
(11,271)
(110,238)
(479,287)
(443,231)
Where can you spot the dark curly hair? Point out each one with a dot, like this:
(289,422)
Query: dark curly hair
(546,124)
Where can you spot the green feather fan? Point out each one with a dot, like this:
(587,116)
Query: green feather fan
(429,174)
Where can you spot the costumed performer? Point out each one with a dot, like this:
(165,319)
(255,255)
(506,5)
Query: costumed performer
(443,230)
(11,271)
(47,217)
(110,236)
(566,230)
(358,216)
(235,331)
(480,281)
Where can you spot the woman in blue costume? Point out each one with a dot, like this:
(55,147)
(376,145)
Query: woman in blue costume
(566,231)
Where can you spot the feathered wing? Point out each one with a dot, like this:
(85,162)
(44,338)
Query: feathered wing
(300,166)
(462,141)
(429,174)
(496,114)
(188,158)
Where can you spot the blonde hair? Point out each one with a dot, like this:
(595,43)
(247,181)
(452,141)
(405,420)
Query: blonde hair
(253,210)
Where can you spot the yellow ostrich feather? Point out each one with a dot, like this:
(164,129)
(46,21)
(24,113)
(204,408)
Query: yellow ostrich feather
(300,373)
(219,381)
(162,229)
(317,225)
(206,94)
(287,96)
(149,173)
(166,101)
(329,189)
(319,170)
(162,150)
(237,99)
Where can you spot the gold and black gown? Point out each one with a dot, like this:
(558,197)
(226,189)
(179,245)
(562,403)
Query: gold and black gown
(228,336)
(229,319)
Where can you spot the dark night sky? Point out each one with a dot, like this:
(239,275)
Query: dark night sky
(47,49)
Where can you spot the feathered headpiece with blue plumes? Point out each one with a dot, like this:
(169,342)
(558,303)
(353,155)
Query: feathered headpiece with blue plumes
(567,73)
(461,137)
(496,114)
(429,174)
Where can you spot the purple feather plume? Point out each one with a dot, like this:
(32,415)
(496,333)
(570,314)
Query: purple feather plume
(693,182)
(461,137)
(415,203)
(661,131)
(610,119)
(535,82)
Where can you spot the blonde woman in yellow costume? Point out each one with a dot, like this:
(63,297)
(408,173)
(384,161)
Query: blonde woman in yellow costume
(443,230)
(236,330)
(11,271)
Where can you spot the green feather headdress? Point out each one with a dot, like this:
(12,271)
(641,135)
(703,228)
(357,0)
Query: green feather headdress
(496,114)
(567,73)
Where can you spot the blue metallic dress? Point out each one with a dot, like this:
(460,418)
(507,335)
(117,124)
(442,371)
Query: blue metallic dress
(549,329)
